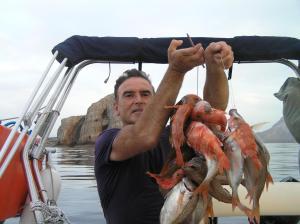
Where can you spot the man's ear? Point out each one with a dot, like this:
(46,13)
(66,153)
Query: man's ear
(116,108)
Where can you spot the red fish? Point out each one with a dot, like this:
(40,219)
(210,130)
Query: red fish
(184,109)
(165,182)
(203,112)
(242,134)
(203,141)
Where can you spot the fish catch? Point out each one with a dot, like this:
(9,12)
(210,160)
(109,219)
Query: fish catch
(210,151)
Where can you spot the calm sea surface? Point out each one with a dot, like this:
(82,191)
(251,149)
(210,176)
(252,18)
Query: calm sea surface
(79,198)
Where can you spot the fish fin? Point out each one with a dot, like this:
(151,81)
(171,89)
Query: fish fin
(223,164)
(250,195)
(235,201)
(179,157)
(256,215)
(164,183)
(153,175)
(269,180)
(245,209)
(209,209)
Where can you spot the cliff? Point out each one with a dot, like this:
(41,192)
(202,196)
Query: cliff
(85,129)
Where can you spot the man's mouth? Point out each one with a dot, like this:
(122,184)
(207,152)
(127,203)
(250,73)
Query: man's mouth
(137,111)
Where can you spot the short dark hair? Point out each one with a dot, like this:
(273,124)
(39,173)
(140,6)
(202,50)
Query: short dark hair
(129,74)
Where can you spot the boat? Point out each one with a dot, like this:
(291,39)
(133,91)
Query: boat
(29,185)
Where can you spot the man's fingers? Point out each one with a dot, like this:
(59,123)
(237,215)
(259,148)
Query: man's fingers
(175,44)
(228,61)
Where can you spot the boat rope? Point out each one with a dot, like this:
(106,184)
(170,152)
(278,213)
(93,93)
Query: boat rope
(51,214)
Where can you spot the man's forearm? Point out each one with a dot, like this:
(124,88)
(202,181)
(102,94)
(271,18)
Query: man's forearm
(218,56)
(216,90)
(156,115)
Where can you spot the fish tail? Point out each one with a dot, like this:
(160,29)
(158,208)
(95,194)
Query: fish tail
(235,200)
(250,195)
(244,208)
(209,209)
(256,214)
(269,180)
(155,176)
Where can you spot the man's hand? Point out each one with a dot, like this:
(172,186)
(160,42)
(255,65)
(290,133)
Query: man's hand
(183,60)
(219,54)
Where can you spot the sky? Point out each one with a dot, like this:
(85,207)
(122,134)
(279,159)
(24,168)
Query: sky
(30,29)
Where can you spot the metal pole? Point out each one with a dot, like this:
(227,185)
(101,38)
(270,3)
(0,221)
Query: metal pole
(27,105)
(28,118)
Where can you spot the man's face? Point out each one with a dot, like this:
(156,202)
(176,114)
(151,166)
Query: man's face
(132,97)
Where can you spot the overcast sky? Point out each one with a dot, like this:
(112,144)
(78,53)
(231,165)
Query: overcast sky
(30,29)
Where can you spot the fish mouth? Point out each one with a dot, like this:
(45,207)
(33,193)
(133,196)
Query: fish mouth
(188,184)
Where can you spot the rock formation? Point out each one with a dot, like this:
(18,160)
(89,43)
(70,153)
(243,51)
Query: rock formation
(85,129)
(278,133)
(66,134)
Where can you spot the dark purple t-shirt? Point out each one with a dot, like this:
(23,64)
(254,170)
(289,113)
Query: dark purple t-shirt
(127,193)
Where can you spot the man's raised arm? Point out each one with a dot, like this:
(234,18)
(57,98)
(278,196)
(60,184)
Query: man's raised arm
(144,134)
(218,56)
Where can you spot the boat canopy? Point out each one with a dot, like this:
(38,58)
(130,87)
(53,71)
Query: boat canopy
(154,50)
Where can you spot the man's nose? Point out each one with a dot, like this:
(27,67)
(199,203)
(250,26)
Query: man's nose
(138,98)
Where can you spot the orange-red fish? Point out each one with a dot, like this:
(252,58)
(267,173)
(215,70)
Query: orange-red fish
(165,182)
(184,109)
(242,134)
(203,141)
(203,112)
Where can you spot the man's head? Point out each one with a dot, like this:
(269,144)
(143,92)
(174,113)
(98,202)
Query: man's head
(132,91)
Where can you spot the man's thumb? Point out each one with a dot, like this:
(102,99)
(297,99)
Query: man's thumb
(175,44)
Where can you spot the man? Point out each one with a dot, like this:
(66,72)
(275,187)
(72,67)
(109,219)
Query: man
(123,156)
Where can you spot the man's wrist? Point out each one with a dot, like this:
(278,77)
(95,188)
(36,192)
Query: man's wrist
(175,72)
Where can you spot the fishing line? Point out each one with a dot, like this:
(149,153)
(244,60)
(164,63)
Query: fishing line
(197,80)
(232,94)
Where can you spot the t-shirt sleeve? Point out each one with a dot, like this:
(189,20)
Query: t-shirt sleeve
(103,146)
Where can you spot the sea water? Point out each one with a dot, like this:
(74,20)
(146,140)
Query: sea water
(79,197)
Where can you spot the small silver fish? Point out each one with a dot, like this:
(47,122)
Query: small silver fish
(235,173)
(176,201)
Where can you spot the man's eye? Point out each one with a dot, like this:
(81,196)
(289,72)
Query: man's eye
(146,94)
(128,95)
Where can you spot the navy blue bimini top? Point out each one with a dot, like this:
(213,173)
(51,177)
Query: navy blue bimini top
(127,193)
